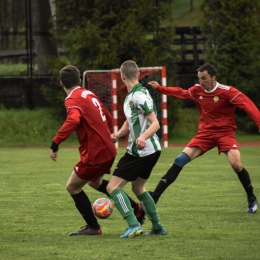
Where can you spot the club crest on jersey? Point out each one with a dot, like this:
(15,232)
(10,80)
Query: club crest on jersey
(216,99)
(131,104)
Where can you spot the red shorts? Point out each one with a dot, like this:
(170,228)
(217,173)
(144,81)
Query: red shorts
(207,141)
(92,173)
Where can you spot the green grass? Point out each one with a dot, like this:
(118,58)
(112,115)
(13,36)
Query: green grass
(24,127)
(204,211)
(13,69)
(30,128)
(182,15)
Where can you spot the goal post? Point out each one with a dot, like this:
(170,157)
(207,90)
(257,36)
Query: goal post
(110,89)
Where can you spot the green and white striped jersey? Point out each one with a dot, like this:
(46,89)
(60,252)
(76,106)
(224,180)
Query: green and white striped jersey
(138,103)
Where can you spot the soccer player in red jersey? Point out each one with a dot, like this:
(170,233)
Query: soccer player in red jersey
(91,120)
(216,104)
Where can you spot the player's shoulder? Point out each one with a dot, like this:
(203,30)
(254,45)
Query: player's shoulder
(140,88)
(195,88)
(79,93)
(223,87)
(140,91)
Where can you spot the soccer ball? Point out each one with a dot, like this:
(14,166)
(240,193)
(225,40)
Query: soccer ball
(102,208)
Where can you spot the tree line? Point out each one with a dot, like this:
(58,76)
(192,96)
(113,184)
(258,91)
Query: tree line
(101,34)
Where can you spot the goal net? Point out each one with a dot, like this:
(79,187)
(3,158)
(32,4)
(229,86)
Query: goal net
(110,89)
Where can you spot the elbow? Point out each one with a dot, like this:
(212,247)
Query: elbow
(158,126)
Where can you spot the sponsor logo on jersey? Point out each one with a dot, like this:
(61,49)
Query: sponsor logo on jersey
(216,99)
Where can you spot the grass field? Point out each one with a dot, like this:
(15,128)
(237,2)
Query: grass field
(204,211)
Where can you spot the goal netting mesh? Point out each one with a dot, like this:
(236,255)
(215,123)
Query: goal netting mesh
(110,89)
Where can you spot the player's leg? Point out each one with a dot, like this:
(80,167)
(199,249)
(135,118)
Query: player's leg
(101,186)
(148,206)
(145,167)
(83,205)
(123,205)
(123,173)
(188,154)
(243,176)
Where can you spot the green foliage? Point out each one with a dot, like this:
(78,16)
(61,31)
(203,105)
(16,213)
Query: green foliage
(204,211)
(233,46)
(103,34)
(53,92)
(186,125)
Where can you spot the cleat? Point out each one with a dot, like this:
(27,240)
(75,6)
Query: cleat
(86,230)
(162,231)
(252,206)
(140,214)
(133,231)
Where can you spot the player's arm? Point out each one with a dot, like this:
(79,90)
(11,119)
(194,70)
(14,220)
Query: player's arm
(153,128)
(71,123)
(245,103)
(124,130)
(172,91)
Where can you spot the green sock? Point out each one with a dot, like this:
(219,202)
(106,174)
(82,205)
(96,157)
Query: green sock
(123,205)
(149,207)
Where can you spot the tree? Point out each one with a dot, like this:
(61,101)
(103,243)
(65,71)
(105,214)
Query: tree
(102,34)
(12,20)
(232,29)
(44,43)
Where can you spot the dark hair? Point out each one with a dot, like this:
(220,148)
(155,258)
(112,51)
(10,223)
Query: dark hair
(130,69)
(209,68)
(70,76)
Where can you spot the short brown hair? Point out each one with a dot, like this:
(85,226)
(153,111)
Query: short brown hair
(70,76)
(209,68)
(130,69)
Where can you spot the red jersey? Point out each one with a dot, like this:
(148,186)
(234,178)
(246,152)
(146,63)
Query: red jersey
(91,120)
(216,107)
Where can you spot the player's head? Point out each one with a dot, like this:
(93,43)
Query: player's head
(209,68)
(70,77)
(129,70)
(207,76)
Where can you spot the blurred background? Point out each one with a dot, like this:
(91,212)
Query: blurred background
(39,37)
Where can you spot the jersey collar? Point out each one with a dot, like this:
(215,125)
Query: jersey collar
(217,84)
(72,92)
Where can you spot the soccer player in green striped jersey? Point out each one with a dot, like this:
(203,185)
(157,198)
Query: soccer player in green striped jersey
(143,151)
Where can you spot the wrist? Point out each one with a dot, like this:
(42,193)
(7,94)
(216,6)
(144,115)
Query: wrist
(54,147)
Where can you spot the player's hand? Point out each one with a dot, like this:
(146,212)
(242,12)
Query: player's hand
(140,143)
(114,138)
(53,155)
(153,84)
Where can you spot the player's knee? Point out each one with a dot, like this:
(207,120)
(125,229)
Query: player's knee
(69,188)
(95,185)
(72,189)
(237,167)
(110,188)
(182,160)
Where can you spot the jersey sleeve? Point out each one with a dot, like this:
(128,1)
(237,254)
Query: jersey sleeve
(71,123)
(241,101)
(176,92)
